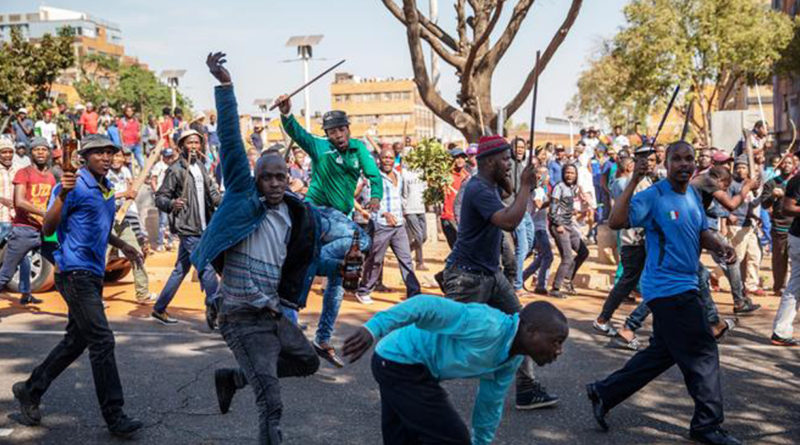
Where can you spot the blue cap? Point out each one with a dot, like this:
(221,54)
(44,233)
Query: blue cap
(456,152)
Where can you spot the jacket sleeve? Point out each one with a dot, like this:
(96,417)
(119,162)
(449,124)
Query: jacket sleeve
(435,314)
(370,170)
(213,190)
(304,139)
(488,408)
(233,157)
(167,192)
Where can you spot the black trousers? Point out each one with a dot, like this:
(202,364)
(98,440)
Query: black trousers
(632,258)
(450,230)
(682,336)
(415,409)
(87,326)
(780,259)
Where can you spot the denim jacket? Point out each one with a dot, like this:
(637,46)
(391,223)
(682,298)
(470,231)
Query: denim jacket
(242,209)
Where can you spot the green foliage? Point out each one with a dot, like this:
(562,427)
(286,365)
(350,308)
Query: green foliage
(789,64)
(27,70)
(709,47)
(435,163)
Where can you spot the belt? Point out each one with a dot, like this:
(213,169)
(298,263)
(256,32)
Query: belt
(235,317)
(472,270)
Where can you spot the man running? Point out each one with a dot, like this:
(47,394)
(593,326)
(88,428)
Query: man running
(337,163)
(671,212)
(427,339)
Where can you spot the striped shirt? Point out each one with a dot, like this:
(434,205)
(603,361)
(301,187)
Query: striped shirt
(7,191)
(392,200)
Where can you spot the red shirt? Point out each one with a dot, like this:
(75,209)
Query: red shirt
(89,122)
(130,131)
(38,186)
(165,126)
(450,193)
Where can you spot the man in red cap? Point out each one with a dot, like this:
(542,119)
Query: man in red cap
(472,272)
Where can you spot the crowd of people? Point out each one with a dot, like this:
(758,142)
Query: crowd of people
(260,223)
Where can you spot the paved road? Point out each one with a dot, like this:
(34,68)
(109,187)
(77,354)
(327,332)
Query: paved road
(167,375)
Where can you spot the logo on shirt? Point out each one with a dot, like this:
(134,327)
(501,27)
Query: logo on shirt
(673,215)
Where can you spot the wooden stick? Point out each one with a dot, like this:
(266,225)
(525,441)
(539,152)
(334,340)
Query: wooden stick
(305,85)
(533,108)
(666,113)
(139,181)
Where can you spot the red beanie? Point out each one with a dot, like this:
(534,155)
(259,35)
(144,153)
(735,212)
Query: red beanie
(489,145)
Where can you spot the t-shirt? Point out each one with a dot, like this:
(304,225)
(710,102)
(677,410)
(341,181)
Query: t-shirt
(38,186)
(478,244)
(130,129)
(159,170)
(793,192)
(119,180)
(200,188)
(706,186)
(47,130)
(540,215)
(89,122)
(672,222)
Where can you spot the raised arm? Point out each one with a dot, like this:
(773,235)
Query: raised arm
(618,218)
(304,139)
(509,218)
(730,203)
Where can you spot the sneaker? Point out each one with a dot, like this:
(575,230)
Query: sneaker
(27,407)
(226,388)
(716,436)
(29,299)
(125,427)
(163,317)
(604,328)
(535,398)
(746,308)
(541,291)
(147,298)
(780,341)
(569,289)
(598,409)
(327,352)
(555,293)
(364,298)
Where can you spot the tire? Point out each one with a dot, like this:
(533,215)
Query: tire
(116,272)
(42,273)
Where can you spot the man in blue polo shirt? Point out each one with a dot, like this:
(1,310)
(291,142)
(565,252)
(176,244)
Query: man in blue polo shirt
(82,210)
(671,213)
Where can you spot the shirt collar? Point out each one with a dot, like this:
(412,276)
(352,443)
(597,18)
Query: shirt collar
(90,181)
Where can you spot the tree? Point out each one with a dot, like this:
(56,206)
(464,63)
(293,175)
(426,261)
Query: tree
(28,70)
(435,164)
(712,48)
(473,56)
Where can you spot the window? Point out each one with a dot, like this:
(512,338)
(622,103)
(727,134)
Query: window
(14,17)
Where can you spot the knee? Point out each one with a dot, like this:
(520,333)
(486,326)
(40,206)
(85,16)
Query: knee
(102,348)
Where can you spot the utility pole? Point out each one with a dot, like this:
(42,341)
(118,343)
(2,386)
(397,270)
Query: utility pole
(304,45)
(434,14)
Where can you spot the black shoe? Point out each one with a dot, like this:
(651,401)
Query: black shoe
(211,316)
(163,317)
(226,388)
(27,407)
(124,427)
(716,436)
(541,291)
(29,299)
(535,398)
(555,293)
(746,308)
(598,410)
(780,341)
(439,277)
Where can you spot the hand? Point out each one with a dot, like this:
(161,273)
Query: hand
(640,170)
(133,255)
(366,214)
(528,178)
(131,194)
(747,185)
(144,243)
(357,344)
(559,229)
(374,205)
(777,192)
(733,219)
(7,203)
(727,253)
(390,219)
(67,183)
(215,62)
(284,104)
(177,205)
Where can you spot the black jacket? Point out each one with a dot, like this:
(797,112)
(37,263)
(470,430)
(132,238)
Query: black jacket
(186,222)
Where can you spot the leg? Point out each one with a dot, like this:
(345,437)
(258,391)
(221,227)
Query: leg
(466,287)
(399,243)
(522,247)
(567,257)
(21,241)
(297,357)
(636,319)
(415,409)
(450,232)
(753,260)
(787,311)
(137,153)
(709,307)
(374,261)
(780,259)
(632,261)
(140,280)
(546,252)
(182,265)
(581,251)
(507,257)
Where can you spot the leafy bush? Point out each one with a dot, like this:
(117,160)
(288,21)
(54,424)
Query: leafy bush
(435,164)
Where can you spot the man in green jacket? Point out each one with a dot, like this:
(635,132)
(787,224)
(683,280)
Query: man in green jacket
(337,163)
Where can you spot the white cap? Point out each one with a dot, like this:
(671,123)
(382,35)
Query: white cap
(79,106)
(22,110)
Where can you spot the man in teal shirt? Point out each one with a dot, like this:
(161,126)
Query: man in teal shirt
(337,163)
(428,339)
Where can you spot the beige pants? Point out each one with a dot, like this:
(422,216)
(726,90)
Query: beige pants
(745,241)
(140,280)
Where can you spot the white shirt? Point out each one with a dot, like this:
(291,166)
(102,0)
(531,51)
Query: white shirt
(20,162)
(47,130)
(119,180)
(200,188)
(159,170)
(621,141)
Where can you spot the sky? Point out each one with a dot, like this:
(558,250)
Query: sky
(178,34)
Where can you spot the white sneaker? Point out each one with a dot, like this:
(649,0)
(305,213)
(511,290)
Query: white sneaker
(605,328)
(364,298)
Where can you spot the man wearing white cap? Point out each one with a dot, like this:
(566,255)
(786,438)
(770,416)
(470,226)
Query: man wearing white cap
(23,127)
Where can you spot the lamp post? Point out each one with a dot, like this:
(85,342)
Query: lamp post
(304,45)
(263,106)
(172,77)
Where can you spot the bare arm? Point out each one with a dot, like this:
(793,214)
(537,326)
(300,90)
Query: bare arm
(21,203)
(509,218)
(618,218)
(708,240)
(732,202)
(790,207)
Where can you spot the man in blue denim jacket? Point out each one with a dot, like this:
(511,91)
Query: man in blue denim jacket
(267,245)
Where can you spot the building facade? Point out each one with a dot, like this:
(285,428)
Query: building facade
(786,89)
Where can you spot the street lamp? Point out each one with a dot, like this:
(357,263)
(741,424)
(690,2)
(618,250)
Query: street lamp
(263,106)
(172,77)
(304,46)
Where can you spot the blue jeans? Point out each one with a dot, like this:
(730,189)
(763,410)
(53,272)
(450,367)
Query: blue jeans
(5,229)
(544,258)
(21,241)
(137,153)
(336,237)
(524,236)
(208,278)
(163,227)
(636,319)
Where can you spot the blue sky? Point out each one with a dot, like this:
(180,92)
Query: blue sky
(179,33)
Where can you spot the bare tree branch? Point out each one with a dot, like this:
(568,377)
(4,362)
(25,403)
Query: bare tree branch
(555,42)
(432,28)
(501,46)
(427,92)
(461,24)
(466,76)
